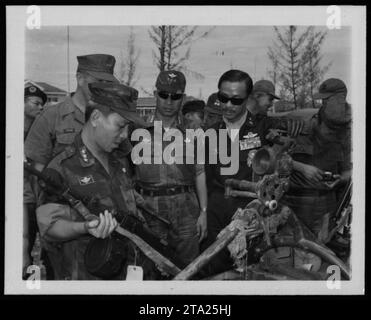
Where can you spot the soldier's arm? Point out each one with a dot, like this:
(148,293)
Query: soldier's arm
(39,145)
(58,223)
(202,198)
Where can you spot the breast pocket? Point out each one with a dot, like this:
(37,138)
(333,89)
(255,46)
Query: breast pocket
(63,140)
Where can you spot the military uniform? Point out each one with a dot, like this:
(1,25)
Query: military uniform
(170,190)
(53,130)
(220,210)
(86,178)
(327,147)
(58,125)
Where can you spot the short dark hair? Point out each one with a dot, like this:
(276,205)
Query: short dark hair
(237,76)
(102,108)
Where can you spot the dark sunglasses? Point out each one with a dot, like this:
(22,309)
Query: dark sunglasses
(173,96)
(235,101)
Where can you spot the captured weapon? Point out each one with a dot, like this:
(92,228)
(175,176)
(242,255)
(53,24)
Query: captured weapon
(258,227)
(130,227)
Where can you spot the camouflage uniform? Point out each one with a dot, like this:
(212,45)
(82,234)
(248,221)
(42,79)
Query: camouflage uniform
(178,203)
(85,177)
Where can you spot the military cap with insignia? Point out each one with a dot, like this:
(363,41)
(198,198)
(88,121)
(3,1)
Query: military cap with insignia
(119,98)
(99,66)
(33,91)
(171,81)
(213,104)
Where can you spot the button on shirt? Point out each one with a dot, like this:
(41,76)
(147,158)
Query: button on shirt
(53,130)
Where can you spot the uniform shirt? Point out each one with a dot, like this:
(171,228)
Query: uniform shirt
(87,179)
(53,130)
(167,175)
(251,137)
(328,155)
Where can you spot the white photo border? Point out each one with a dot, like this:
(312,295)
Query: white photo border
(16,16)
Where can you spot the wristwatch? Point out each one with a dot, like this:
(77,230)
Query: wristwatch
(204,209)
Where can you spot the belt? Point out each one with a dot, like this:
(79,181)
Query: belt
(164,191)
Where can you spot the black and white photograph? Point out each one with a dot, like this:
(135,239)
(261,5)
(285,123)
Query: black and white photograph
(185,150)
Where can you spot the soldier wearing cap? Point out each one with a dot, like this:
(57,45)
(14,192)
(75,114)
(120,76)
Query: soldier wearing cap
(193,112)
(213,111)
(177,191)
(327,148)
(264,93)
(57,126)
(91,166)
(34,101)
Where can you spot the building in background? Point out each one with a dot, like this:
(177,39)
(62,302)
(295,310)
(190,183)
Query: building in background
(54,94)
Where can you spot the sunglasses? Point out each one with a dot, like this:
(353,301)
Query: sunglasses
(173,96)
(235,101)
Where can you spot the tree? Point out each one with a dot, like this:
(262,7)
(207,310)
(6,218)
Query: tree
(273,74)
(286,56)
(173,47)
(313,73)
(129,61)
(296,64)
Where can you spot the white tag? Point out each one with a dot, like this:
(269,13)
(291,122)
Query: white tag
(134,273)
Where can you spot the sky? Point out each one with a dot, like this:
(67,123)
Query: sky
(226,47)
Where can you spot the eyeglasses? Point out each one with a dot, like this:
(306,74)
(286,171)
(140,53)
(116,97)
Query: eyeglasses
(173,96)
(235,101)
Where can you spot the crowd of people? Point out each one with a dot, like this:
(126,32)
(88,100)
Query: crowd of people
(85,144)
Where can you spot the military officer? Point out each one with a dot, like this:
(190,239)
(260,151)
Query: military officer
(57,126)
(92,166)
(213,111)
(264,93)
(176,191)
(250,131)
(327,148)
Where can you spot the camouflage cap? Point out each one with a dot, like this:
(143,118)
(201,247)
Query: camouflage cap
(171,81)
(33,91)
(193,106)
(265,86)
(100,66)
(329,88)
(119,98)
(213,104)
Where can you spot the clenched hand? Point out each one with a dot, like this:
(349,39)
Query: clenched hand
(103,227)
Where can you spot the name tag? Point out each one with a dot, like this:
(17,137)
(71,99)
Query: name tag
(69,130)
(250,143)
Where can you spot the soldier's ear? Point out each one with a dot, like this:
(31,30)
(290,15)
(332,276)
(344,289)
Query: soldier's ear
(80,78)
(95,116)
